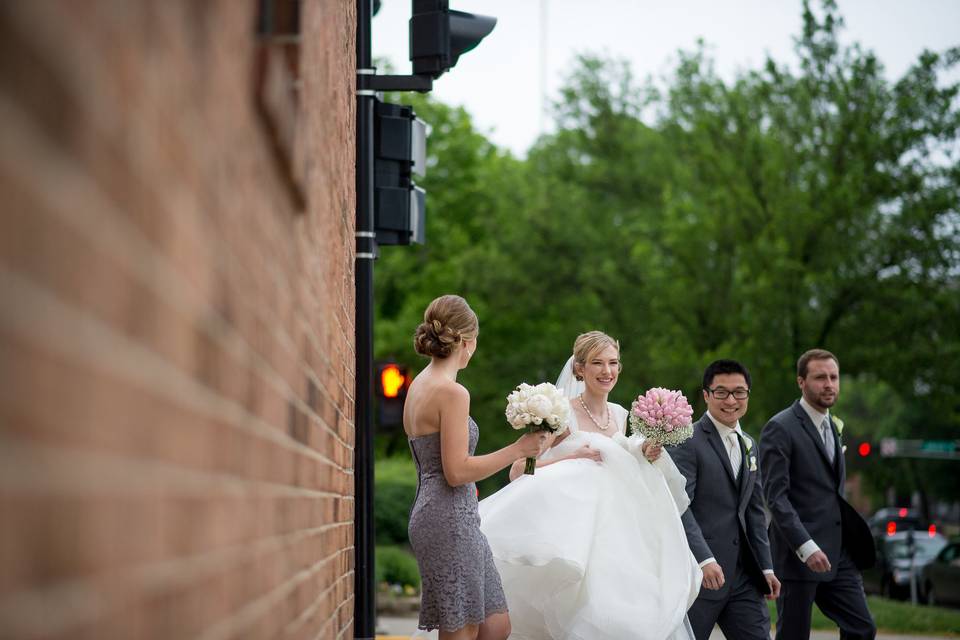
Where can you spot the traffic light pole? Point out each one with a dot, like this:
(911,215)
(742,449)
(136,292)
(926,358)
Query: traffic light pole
(432,53)
(364,587)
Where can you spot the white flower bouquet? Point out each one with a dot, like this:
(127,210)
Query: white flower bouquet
(537,408)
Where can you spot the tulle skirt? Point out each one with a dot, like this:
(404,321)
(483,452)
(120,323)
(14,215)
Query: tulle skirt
(593,551)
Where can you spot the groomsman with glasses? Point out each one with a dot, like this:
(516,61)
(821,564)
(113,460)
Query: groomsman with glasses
(725,525)
(819,542)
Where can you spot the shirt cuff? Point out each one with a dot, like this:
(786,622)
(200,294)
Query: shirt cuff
(807,549)
(707,561)
(768,572)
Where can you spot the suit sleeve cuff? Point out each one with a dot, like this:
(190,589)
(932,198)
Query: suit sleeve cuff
(707,561)
(768,572)
(807,549)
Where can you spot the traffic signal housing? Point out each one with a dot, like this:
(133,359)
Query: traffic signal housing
(400,150)
(393,380)
(438,35)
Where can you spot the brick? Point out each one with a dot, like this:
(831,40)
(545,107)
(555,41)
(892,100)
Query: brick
(176,329)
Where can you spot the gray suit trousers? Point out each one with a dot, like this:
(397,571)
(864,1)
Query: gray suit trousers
(742,614)
(841,599)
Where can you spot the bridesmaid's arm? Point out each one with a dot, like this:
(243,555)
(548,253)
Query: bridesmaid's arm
(516,469)
(459,467)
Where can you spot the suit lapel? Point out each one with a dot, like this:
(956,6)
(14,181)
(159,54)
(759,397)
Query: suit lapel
(713,437)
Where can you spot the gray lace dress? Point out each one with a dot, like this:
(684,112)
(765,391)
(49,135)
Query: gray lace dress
(460,584)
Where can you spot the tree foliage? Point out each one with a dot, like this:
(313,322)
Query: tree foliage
(702,218)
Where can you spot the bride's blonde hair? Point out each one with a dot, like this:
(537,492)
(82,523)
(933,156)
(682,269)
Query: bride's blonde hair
(586,345)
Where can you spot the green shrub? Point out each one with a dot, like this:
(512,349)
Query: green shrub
(895,617)
(395,565)
(394,489)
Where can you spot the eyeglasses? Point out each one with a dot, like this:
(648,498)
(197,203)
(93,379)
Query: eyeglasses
(722,394)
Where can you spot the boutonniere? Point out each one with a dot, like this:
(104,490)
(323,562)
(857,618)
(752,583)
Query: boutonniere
(753,463)
(747,443)
(843,449)
(838,423)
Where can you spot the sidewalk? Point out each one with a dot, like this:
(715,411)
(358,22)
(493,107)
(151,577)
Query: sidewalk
(401,628)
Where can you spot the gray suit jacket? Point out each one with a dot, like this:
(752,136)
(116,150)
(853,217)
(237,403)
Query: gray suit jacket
(804,492)
(726,518)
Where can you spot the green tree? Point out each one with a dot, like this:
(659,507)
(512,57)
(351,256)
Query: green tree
(806,209)
(756,218)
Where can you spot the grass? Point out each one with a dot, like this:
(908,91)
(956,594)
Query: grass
(893,616)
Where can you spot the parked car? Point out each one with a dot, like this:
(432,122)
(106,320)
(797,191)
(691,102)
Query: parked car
(941,578)
(893,519)
(890,577)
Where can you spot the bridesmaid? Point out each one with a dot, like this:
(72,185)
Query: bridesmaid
(461,591)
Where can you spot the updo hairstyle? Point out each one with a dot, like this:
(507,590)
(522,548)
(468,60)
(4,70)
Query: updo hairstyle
(586,345)
(447,321)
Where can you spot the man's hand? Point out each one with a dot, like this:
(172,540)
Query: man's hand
(818,563)
(713,576)
(774,585)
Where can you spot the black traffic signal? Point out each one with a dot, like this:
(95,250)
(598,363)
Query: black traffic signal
(392,382)
(400,148)
(439,35)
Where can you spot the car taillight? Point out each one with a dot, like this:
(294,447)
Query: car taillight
(891,528)
(903,512)
(932,530)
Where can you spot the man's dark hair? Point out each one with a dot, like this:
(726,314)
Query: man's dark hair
(719,367)
(813,354)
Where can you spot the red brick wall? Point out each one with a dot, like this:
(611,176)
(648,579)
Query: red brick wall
(176,330)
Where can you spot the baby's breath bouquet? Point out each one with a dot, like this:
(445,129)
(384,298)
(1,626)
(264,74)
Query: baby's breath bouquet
(537,408)
(662,415)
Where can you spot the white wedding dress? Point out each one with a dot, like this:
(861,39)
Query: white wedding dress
(595,551)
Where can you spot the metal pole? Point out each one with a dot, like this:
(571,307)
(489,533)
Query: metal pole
(364,611)
(912,549)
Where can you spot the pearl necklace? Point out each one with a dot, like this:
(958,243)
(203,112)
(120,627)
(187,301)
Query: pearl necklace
(602,427)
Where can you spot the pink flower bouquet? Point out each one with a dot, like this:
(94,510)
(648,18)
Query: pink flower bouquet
(663,416)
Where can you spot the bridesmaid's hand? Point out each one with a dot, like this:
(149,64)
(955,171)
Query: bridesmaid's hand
(651,450)
(531,444)
(586,451)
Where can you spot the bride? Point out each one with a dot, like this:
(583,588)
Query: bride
(591,547)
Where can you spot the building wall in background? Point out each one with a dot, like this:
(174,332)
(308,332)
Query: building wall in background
(176,321)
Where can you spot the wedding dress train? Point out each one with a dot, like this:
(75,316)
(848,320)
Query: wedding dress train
(595,551)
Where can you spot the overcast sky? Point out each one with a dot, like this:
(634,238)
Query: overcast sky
(499,82)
